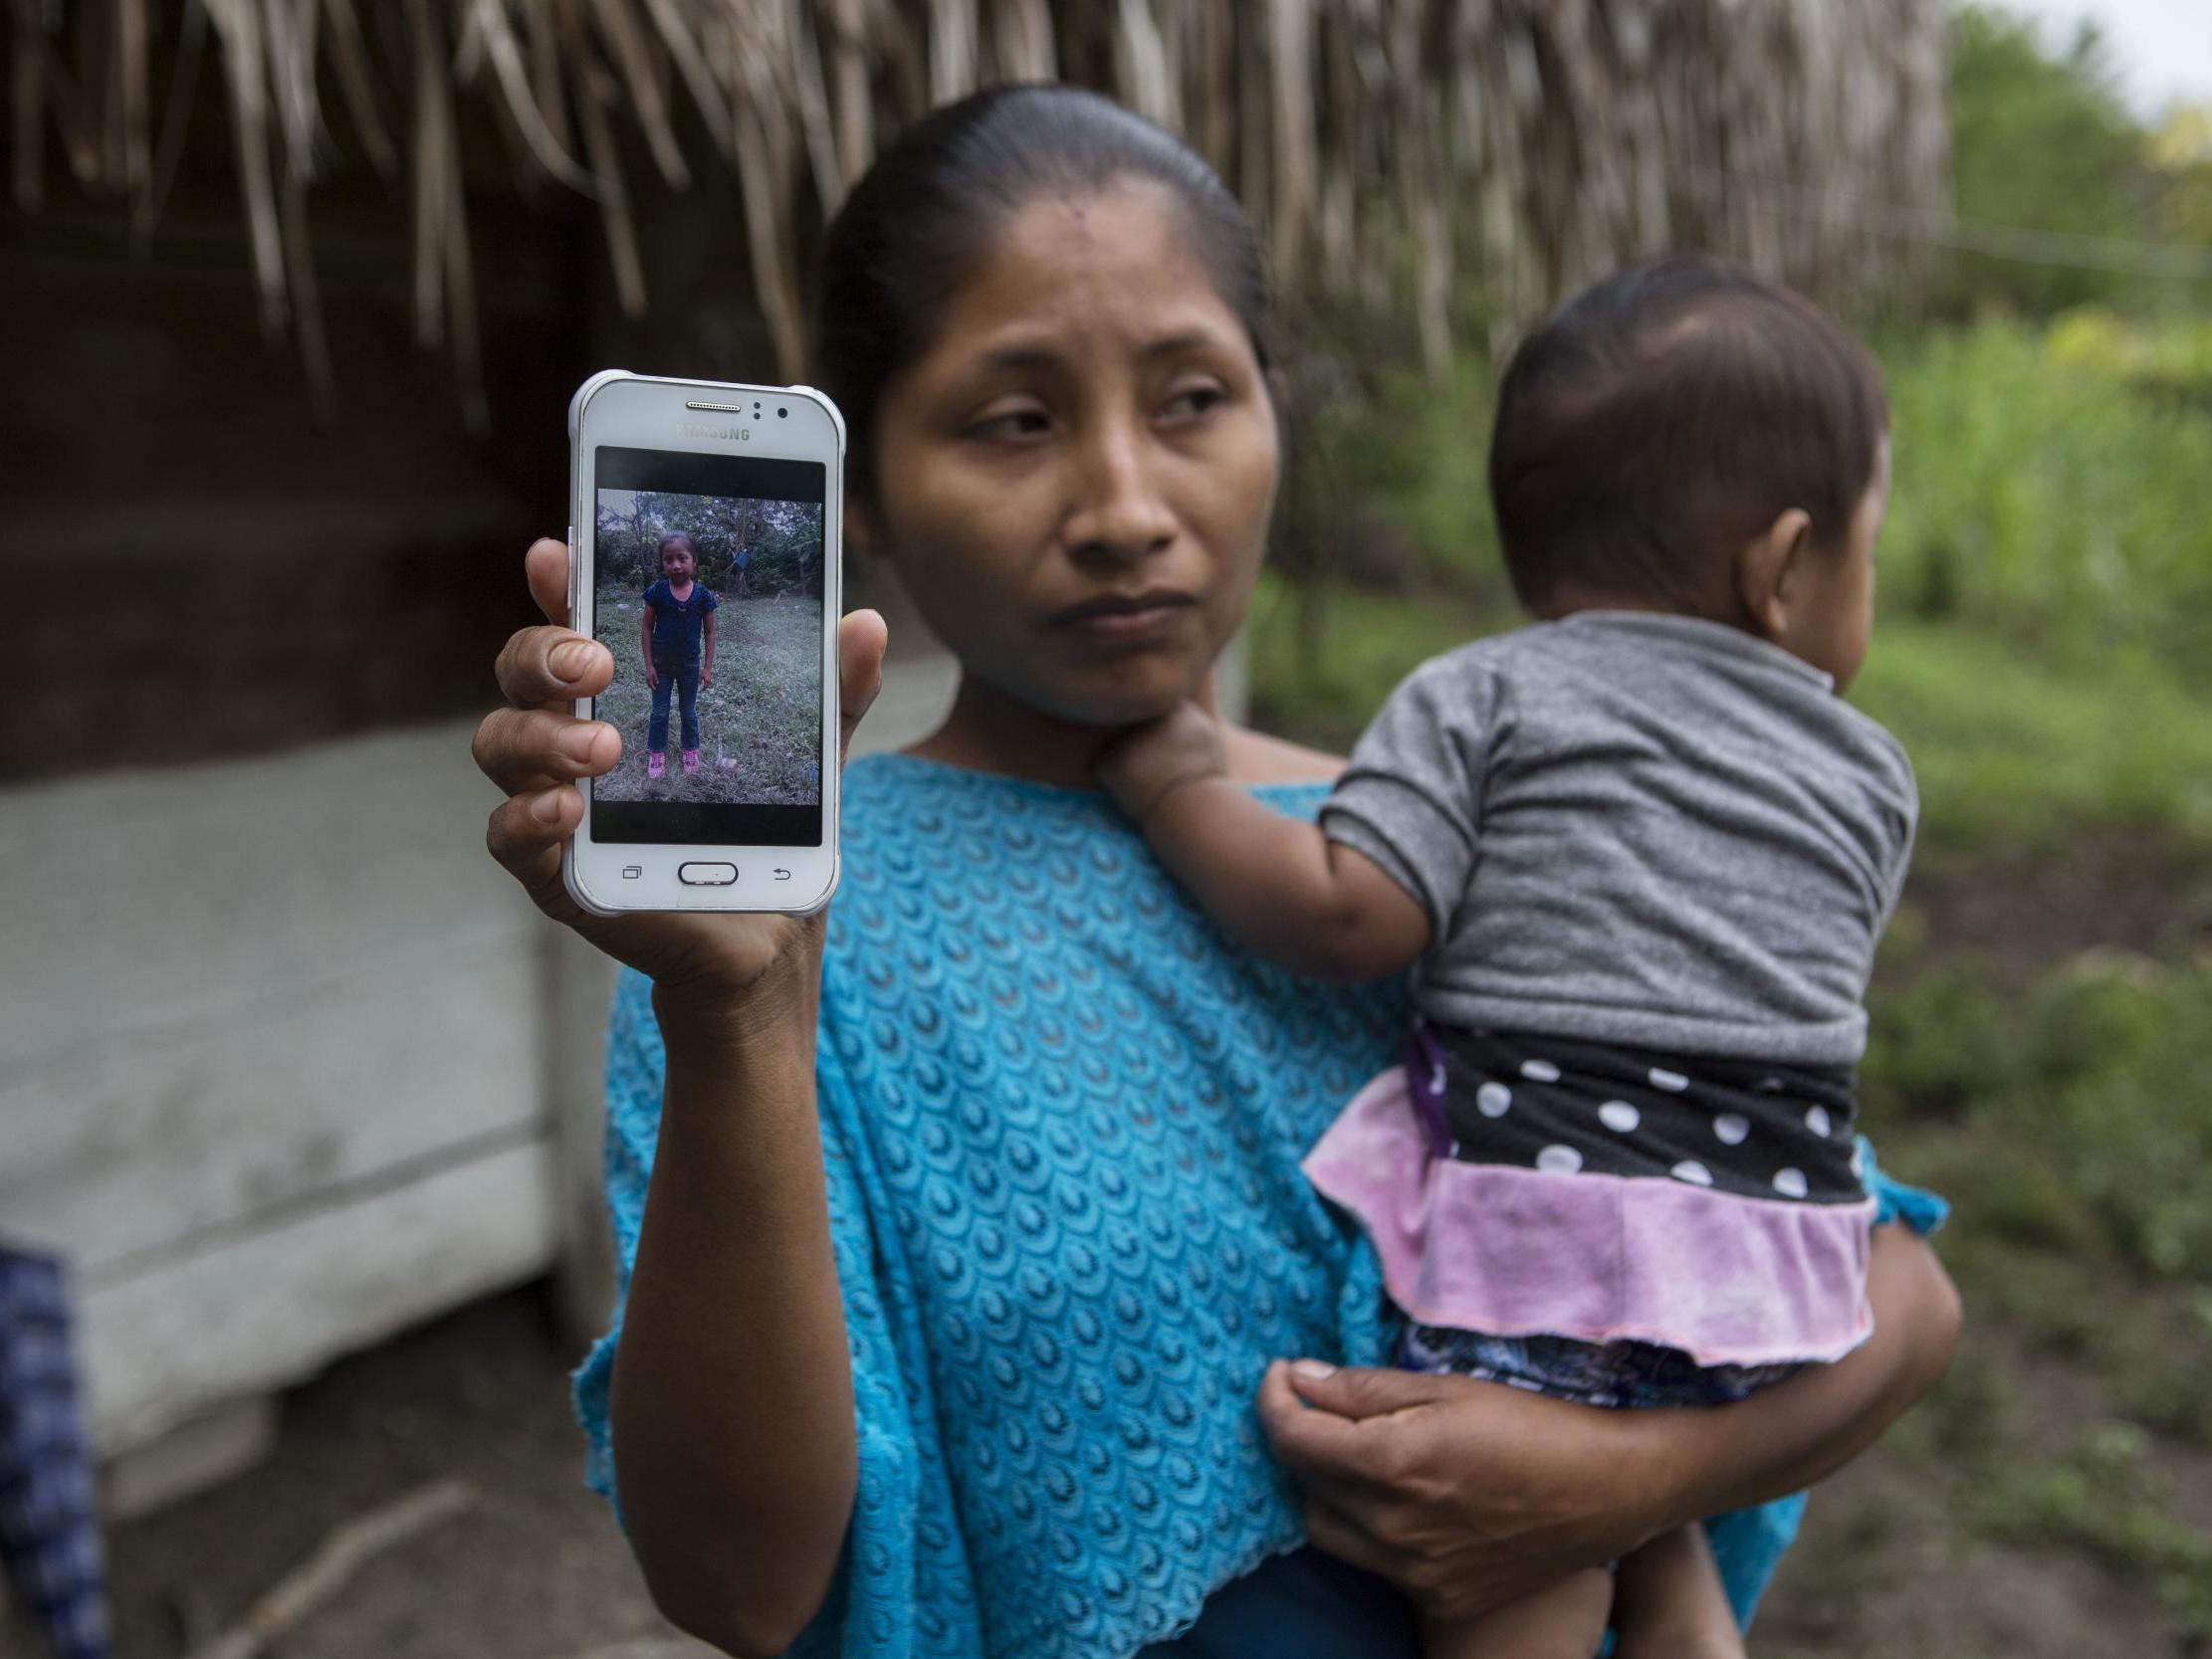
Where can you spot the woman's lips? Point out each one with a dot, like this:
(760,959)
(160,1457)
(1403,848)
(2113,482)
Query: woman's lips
(1122,618)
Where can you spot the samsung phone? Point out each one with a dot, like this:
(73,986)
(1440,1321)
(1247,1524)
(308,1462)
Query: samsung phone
(705,535)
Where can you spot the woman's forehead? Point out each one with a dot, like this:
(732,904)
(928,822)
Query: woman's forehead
(1119,267)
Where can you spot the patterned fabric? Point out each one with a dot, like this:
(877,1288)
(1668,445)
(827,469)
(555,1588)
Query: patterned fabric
(1061,1126)
(49,1514)
(1514,1252)
(1539,1187)
(1617,1376)
(1745,1128)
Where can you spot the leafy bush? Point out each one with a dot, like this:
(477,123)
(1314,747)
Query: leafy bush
(2042,141)
(2039,495)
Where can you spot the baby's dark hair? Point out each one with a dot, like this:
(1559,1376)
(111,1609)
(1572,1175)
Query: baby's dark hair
(921,220)
(670,540)
(1660,419)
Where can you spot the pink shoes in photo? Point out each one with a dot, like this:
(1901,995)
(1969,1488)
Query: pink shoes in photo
(691,761)
(656,763)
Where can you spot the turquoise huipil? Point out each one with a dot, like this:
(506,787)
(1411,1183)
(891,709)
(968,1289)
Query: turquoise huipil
(1061,1121)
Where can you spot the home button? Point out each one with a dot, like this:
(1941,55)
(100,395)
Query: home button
(707,875)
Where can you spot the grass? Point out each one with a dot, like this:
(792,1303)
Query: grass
(759,722)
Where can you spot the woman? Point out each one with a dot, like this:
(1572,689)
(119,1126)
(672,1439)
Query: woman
(943,1329)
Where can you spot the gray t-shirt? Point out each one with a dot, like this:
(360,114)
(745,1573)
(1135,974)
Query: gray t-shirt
(1642,829)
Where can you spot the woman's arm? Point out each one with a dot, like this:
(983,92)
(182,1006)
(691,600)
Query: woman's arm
(732,1393)
(731,1406)
(1468,1494)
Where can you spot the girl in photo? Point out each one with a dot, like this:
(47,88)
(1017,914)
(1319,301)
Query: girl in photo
(676,637)
(973,1302)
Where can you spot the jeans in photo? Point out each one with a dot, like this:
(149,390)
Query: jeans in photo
(679,676)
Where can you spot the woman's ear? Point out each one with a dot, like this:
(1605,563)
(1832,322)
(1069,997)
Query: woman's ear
(1768,568)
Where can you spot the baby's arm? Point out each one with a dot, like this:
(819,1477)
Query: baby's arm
(645,645)
(1276,885)
(707,668)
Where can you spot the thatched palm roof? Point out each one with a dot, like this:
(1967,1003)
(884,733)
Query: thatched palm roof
(1537,140)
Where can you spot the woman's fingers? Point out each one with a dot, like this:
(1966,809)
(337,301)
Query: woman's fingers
(529,748)
(1363,1391)
(545,567)
(861,638)
(524,835)
(542,665)
(1331,1531)
(1318,1446)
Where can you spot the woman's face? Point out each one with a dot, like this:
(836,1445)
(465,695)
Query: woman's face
(1074,479)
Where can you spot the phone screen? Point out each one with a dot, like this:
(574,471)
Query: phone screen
(708,573)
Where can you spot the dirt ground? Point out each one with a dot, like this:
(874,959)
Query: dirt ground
(536,1571)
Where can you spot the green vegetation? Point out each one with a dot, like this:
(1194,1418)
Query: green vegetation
(2037,140)
(781,541)
(2042,1011)
(2042,497)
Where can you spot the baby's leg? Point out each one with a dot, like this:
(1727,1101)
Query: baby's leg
(1565,1620)
(1672,1603)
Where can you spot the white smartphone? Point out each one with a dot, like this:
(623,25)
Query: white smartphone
(705,535)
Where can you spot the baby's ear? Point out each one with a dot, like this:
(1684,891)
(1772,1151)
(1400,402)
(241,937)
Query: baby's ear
(1768,568)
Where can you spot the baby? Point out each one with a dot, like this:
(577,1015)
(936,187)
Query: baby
(676,637)
(1638,855)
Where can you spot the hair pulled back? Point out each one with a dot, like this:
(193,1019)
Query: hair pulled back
(1661,418)
(921,220)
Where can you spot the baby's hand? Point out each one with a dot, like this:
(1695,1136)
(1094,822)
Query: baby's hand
(652,680)
(1141,770)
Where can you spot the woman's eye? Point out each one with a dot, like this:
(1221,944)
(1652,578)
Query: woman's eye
(1190,402)
(1011,426)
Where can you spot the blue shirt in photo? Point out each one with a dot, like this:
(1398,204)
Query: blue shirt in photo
(677,622)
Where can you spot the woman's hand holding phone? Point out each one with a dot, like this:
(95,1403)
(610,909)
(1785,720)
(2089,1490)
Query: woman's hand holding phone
(536,752)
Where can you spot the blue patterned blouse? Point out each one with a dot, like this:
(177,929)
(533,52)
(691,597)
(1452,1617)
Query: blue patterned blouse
(1061,1118)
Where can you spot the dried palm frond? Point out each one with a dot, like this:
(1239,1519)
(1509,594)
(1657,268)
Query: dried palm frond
(1530,142)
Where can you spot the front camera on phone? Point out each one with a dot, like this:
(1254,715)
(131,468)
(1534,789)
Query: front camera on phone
(781,413)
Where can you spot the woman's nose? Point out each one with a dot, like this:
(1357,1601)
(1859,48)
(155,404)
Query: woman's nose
(1120,515)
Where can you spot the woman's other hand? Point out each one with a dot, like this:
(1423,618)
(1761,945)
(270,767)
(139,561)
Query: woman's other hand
(538,751)
(1466,1495)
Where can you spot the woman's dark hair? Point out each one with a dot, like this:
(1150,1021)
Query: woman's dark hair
(1663,417)
(921,220)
